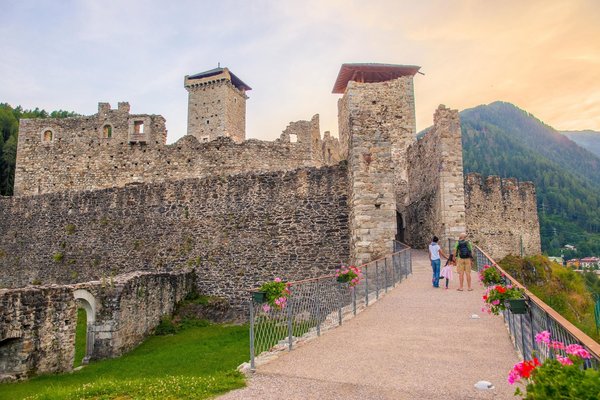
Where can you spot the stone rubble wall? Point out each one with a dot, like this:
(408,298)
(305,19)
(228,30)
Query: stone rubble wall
(238,231)
(307,137)
(501,214)
(79,158)
(435,176)
(37,331)
(38,323)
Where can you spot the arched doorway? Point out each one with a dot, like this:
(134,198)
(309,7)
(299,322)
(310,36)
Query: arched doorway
(86,304)
(400,227)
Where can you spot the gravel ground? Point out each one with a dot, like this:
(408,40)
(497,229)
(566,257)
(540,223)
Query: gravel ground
(418,342)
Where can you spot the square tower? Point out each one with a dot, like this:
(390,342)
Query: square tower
(216,105)
(376,125)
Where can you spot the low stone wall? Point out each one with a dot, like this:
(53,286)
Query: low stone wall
(37,324)
(37,331)
(502,215)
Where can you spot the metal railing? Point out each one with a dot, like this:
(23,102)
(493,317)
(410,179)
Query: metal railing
(318,304)
(540,317)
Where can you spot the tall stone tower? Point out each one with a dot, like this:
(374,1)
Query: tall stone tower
(376,126)
(216,105)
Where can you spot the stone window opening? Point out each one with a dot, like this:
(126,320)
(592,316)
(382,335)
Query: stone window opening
(48,136)
(107,131)
(293,138)
(207,122)
(138,127)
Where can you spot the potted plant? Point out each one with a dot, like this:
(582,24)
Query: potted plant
(274,294)
(496,297)
(561,376)
(490,276)
(350,275)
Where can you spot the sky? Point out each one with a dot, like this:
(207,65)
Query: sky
(543,56)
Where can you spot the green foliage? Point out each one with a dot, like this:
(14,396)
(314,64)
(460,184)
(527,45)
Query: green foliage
(275,291)
(58,257)
(166,327)
(561,288)
(490,276)
(555,381)
(80,337)
(70,229)
(195,363)
(9,128)
(495,297)
(500,139)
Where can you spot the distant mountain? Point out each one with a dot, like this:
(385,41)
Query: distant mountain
(501,139)
(589,140)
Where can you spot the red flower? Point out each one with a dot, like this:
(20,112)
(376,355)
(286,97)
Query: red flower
(501,289)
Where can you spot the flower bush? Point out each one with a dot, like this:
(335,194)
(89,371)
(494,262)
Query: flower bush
(276,293)
(496,296)
(559,377)
(490,276)
(351,275)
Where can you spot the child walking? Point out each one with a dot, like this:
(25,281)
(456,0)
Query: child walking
(446,272)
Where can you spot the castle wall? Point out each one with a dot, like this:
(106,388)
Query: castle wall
(501,214)
(239,231)
(37,324)
(435,176)
(80,158)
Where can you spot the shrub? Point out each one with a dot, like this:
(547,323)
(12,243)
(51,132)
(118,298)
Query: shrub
(276,292)
(350,275)
(490,276)
(58,257)
(166,327)
(70,229)
(496,296)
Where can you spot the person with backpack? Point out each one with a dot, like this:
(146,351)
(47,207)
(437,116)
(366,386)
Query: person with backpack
(463,251)
(434,255)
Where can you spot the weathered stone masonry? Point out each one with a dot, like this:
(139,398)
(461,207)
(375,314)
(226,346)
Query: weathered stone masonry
(502,215)
(238,231)
(435,175)
(37,332)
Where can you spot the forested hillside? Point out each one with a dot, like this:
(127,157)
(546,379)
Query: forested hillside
(9,127)
(589,140)
(501,139)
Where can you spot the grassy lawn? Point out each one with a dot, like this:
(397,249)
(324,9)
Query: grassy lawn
(196,363)
(80,337)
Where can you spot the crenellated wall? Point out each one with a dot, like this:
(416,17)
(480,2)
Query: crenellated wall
(435,175)
(79,157)
(501,215)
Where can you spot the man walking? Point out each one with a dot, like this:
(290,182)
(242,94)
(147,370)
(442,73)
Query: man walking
(434,255)
(463,251)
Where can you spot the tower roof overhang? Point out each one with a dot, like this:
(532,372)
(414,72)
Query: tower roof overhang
(371,73)
(237,82)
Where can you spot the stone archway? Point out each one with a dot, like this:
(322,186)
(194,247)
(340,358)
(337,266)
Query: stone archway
(88,302)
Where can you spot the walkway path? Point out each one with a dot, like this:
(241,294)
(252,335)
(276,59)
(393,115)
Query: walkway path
(416,343)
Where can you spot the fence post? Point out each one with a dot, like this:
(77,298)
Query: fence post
(522,336)
(367,286)
(353,299)
(318,307)
(339,296)
(252,363)
(385,280)
(393,272)
(377,279)
(290,328)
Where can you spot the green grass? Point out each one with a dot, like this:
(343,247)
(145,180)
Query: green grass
(196,363)
(80,337)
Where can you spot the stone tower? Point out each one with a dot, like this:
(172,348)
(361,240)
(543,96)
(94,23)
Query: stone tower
(376,126)
(216,105)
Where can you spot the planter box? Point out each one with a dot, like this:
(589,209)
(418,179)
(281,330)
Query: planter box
(259,297)
(517,306)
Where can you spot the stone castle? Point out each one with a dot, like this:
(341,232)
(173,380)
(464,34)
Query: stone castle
(107,215)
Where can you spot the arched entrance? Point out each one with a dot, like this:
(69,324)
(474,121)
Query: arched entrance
(400,227)
(87,302)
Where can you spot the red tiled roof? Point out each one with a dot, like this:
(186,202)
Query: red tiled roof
(370,72)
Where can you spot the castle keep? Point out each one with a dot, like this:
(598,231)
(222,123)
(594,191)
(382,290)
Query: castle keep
(108,216)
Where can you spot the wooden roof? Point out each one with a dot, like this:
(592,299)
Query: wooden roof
(370,72)
(237,82)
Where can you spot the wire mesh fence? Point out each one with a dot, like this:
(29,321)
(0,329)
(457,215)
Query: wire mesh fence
(539,317)
(316,305)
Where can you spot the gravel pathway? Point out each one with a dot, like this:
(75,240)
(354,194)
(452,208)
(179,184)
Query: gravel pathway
(418,342)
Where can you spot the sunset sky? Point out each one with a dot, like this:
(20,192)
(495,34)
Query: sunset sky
(544,56)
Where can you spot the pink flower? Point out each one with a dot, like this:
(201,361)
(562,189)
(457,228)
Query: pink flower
(266,307)
(277,279)
(564,360)
(495,302)
(556,345)
(543,336)
(578,350)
